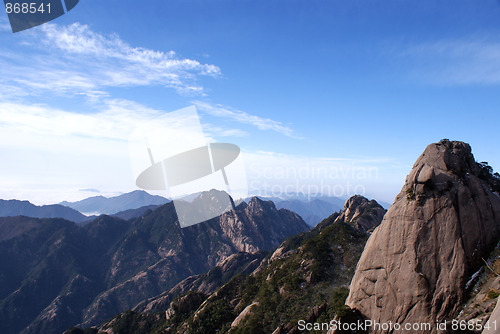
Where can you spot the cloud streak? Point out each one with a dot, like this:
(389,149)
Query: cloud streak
(217,131)
(76,59)
(471,61)
(115,122)
(74,147)
(4,24)
(261,123)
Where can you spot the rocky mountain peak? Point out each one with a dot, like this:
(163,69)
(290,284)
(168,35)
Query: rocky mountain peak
(361,213)
(256,204)
(212,194)
(415,265)
(449,155)
(438,169)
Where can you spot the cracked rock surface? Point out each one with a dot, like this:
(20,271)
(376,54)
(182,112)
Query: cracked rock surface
(416,264)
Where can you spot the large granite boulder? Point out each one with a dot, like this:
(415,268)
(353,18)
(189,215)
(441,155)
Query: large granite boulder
(416,264)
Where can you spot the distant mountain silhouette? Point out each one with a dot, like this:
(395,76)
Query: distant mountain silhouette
(134,213)
(313,209)
(10,208)
(104,205)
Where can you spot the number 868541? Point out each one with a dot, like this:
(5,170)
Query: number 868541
(26,8)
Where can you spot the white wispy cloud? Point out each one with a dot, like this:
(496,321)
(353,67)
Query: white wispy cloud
(115,122)
(5,27)
(81,40)
(75,149)
(47,149)
(217,131)
(48,153)
(468,61)
(261,123)
(4,24)
(76,59)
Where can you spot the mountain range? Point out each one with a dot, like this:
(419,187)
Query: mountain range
(432,259)
(126,206)
(97,205)
(11,208)
(312,209)
(134,204)
(305,270)
(74,274)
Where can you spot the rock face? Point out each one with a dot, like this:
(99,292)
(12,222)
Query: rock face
(494,319)
(237,264)
(416,264)
(362,214)
(247,311)
(172,254)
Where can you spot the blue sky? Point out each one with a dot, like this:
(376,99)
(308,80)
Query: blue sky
(347,86)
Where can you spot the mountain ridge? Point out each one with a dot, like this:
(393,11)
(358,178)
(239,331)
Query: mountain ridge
(305,268)
(112,205)
(86,274)
(11,208)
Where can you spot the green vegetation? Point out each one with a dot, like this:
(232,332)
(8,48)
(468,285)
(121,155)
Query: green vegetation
(486,173)
(75,330)
(410,194)
(315,274)
(131,322)
(215,317)
(492,294)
